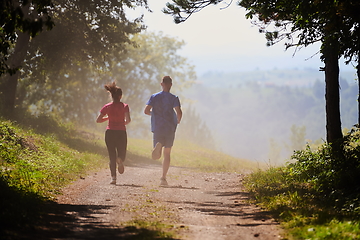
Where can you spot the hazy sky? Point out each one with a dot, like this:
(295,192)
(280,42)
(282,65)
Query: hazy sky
(224,40)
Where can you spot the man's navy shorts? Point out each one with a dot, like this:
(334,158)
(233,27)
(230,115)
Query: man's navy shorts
(166,139)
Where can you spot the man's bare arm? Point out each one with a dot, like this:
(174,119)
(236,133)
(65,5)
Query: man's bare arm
(178,113)
(147,110)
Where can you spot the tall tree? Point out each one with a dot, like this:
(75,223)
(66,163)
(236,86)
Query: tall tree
(85,31)
(301,23)
(358,76)
(350,43)
(20,21)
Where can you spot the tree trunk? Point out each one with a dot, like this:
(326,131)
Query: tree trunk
(358,76)
(11,81)
(332,93)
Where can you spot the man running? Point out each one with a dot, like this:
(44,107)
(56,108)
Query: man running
(164,121)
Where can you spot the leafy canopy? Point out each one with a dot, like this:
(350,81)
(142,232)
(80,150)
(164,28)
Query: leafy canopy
(21,16)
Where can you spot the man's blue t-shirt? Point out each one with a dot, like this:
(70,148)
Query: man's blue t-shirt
(163,116)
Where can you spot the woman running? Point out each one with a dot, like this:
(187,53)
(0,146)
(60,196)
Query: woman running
(117,114)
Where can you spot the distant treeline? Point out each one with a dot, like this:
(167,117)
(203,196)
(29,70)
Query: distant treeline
(252,113)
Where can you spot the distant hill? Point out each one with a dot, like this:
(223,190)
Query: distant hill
(251,113)
(279,77)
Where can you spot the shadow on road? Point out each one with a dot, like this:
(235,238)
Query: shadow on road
(65,221)
(237,207)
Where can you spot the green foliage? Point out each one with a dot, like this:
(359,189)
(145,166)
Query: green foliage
(335,229)
(23,17)
(37,164)
(138,70)
(317,195)
(313,166)
(85,34)
(10,144)
(334,174)
(179,8)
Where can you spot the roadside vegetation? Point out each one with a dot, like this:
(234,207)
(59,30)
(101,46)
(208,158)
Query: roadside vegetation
(317,195)
(37,158)
(40,155)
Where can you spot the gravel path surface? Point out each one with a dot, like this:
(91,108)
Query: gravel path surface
(196,205)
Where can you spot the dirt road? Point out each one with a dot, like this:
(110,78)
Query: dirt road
(197,205)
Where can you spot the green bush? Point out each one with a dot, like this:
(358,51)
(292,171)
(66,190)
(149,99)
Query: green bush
(334,174)
(317,196)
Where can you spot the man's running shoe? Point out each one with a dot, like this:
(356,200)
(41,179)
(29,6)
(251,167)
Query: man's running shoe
(163,182)
(156,153)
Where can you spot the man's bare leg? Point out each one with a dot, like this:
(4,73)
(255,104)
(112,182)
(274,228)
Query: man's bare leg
(166,164)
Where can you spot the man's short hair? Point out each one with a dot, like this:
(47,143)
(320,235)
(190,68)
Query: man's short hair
(167,80)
